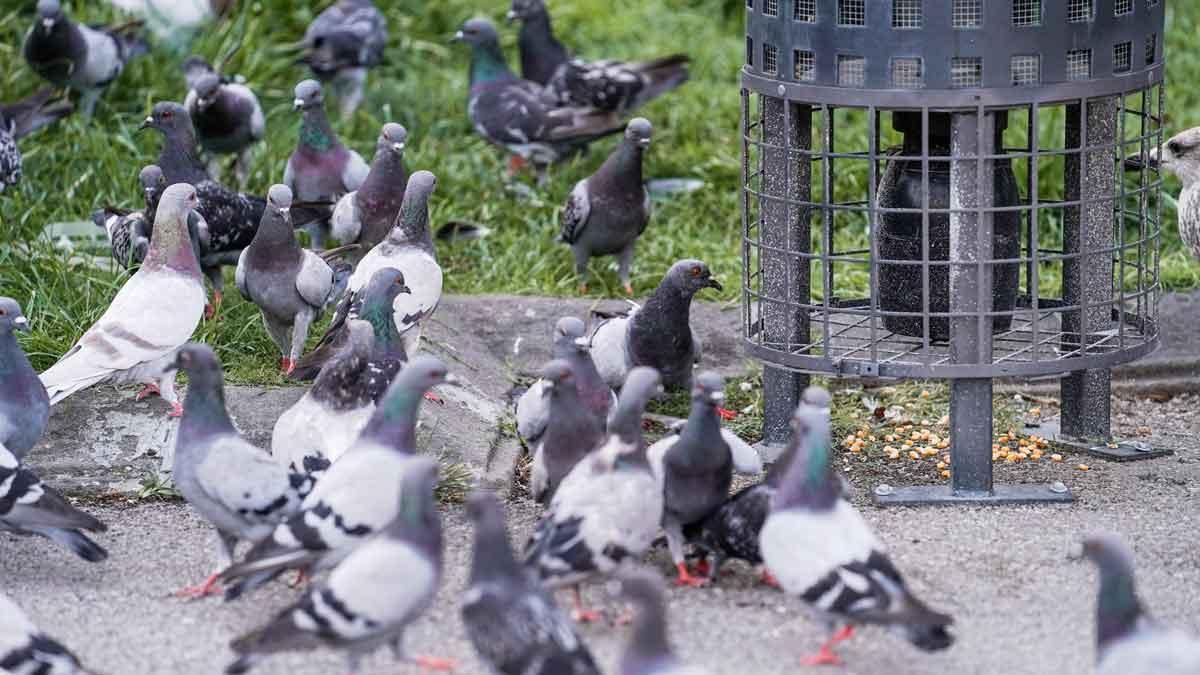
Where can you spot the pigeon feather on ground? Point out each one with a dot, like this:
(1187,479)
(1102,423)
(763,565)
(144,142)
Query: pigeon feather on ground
(342,44)
(26,649)
(18,120)
(366,215)
(570,344)
(649,651)
(24,403)
(571,432)
(226,115)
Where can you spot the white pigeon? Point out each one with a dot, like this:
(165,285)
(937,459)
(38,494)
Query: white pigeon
(26,650)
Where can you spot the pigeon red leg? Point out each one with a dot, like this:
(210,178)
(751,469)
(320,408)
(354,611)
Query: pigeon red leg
(176,410)
(824,657)
(768,579)
(516,164)
(430,396)
(435,663)
(285,364)
(685,577)
(725,413)
(702,567)
(842,635)
(580,613)
(148,389)
(208,587)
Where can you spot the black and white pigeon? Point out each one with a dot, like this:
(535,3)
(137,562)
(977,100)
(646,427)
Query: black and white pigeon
(366,215)
(609,210)
(820,548)
(153,314)
(608,84)
(226,115)
(518,115)
(325,423)
(370,599)
(695,470)
(24,404)
(320,169)
(20,119)
(1128,640)
(657,334)
(356,498)
(514,624)
(30,507)
(607,511)
(289,284)
(342,44)
(572,431)
(239,489)
(649,651)
(570,344)
(129,231)
(25,649)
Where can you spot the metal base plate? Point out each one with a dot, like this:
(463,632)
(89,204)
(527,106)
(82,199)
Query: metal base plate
(1116,450)
(936,495)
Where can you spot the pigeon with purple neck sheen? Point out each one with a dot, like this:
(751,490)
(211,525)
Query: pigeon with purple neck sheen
(820,548)
(227,116)
(609,210)
(649,651)
(1128,640)
(571,345)
(572,431)
(153,314)
(18,120)
(342,44)
(366,215)
(321,168)
(24,403)
(26,649)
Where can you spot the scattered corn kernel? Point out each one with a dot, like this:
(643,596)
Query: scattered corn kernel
(928,451)
(1003,439)
(890,438)
(945,473)
(907,444)
(1083,467)
(946,458)
(1012,458)
(1056,457)
(943,444)
(1022,442)
(945,420)
(913,454)
(941,465)
(924,393)
(1035,411)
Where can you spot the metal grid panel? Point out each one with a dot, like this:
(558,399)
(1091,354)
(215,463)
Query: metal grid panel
(806,65)
(1151,3)
(1079,64)
(907,14)
(805,10)
(907,73)
(852,13)
(1151,48)
(770,7)
(1122,7)
(1122,57)
(770,62)
(968,13)
(966,71)
(1079,11)
(1026,69)
(852,70)
(1027,12)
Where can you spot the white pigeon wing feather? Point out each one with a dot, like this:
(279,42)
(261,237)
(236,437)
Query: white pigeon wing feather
(745,458)
(801,547)
(657,452)
(346,221)
(245,480)
(1152,651)
(239,275)
(609,350)
(355,171)
(533,411)
(423,276)
(315,279)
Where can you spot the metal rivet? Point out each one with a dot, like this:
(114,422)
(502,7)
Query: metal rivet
(1058,487)
(883,490)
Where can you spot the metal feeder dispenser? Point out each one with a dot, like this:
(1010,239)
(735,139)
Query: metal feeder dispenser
(959,164)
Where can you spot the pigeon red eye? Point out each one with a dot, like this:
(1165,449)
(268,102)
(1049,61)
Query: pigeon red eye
(695,271)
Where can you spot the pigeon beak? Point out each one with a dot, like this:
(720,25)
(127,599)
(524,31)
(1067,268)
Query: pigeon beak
(286,210)
(146,124)
(511,16)
(297,104)
(22,324)
(397,148)
(452,380)
(582,343)
(458,37)
(713,283)
(643,142)
(1138,162)
(405,289)
(47,25)
(717,397)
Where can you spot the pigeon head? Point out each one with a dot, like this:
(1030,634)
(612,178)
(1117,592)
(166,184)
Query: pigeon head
(691,276)
(1117,606)
(392,137)
(308,95)
(383,287)
(569,337)
(153,181)
(524,10)
(177,201)
(648,647)
(809,480)
(709,387)
(169,118)
(412,222)
(49,12)
(279,198)
(478,33)
(207,88)
(198,360)
(638,131)
(485,510)
(11,317)
(557,372)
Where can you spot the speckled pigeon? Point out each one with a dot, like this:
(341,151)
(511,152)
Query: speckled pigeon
(356,498)
(820,548)
(570,344)
(129,232)
(1128,640)
(321,168)
(86,59)
(26,649)
(30,507)
(649,651)
(517,114)
(341,44)
(371,597)
(609,210)
(226,115)
(24,404)
(607,510)
(572,431)
(366,215)
(289,284)
(657,334)
(20,119)
(232,484)
(153,314)
(514,624)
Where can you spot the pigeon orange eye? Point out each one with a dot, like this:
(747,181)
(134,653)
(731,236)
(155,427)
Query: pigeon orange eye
(695,271)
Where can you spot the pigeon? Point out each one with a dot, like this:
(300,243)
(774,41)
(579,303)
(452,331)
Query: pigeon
(24,404)
(30,507)
(20,119)
(606,512)
(608,85)
(649,651)
(517,115)
(695,469)
(153,314)
(571,345)
(514,624)
(86,59)
(357,497)
(289,284)
(342,43)
(609,210)
(231,483)
(129,231)
(658,334)
(571,432)
(371,597)
(1128,640)
(820,548)
(321,168)
(25,649)
(322,425)
(226,115)
(1180,155)
(366,215)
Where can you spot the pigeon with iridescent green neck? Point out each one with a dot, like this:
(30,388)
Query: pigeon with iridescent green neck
(365,216)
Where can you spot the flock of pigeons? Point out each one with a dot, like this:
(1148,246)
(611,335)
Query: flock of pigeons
(344,490)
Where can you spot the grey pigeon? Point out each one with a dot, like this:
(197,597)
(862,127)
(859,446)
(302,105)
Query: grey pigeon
(26,649)
(342,43)
(324,424)
(540,51)
(514,624)
(518,115)
(321,168)
(1128,640)
(371,597)
(649,651)
(1180,155)
(153,314)
(570,344)
(289,284)
(695,469)
(366,215)
(657,334)
(20,119)
(608,509)
(30,507)
(226,115)
(24,404)
(357,497)
(609,210)
(232,484)
(820,548)
(86,59)
(571,432)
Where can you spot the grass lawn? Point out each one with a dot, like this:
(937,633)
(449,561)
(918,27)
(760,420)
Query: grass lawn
(77,166)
